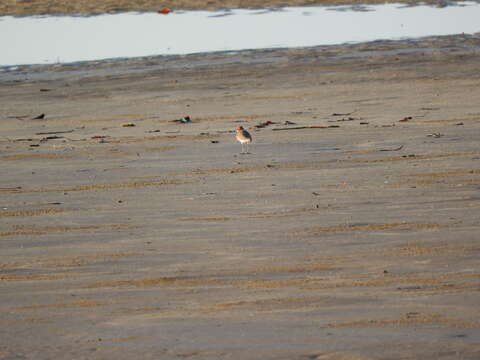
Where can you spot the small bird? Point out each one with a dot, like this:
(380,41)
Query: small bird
(244,138)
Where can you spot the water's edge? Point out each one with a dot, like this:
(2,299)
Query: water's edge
(462,43)
(50,40)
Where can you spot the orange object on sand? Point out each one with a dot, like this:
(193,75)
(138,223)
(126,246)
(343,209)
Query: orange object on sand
(164,11)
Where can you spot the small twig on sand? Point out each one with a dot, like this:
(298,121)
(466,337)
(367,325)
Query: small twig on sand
(39,117)
(395,149)
(307,127)
(18,117)
(54,137)
(262,125)
(345,119)
(55,132)
(344,114)
(83,139)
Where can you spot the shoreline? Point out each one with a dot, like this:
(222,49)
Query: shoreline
(92,7)
(122,56)
(139,65)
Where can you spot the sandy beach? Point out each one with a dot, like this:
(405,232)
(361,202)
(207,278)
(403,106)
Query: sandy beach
(350,231)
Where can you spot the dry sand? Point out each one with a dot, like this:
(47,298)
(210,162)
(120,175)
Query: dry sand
(354,239)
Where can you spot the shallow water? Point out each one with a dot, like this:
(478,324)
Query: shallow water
(65,39)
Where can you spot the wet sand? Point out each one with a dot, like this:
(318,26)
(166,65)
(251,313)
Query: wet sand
(349,232)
